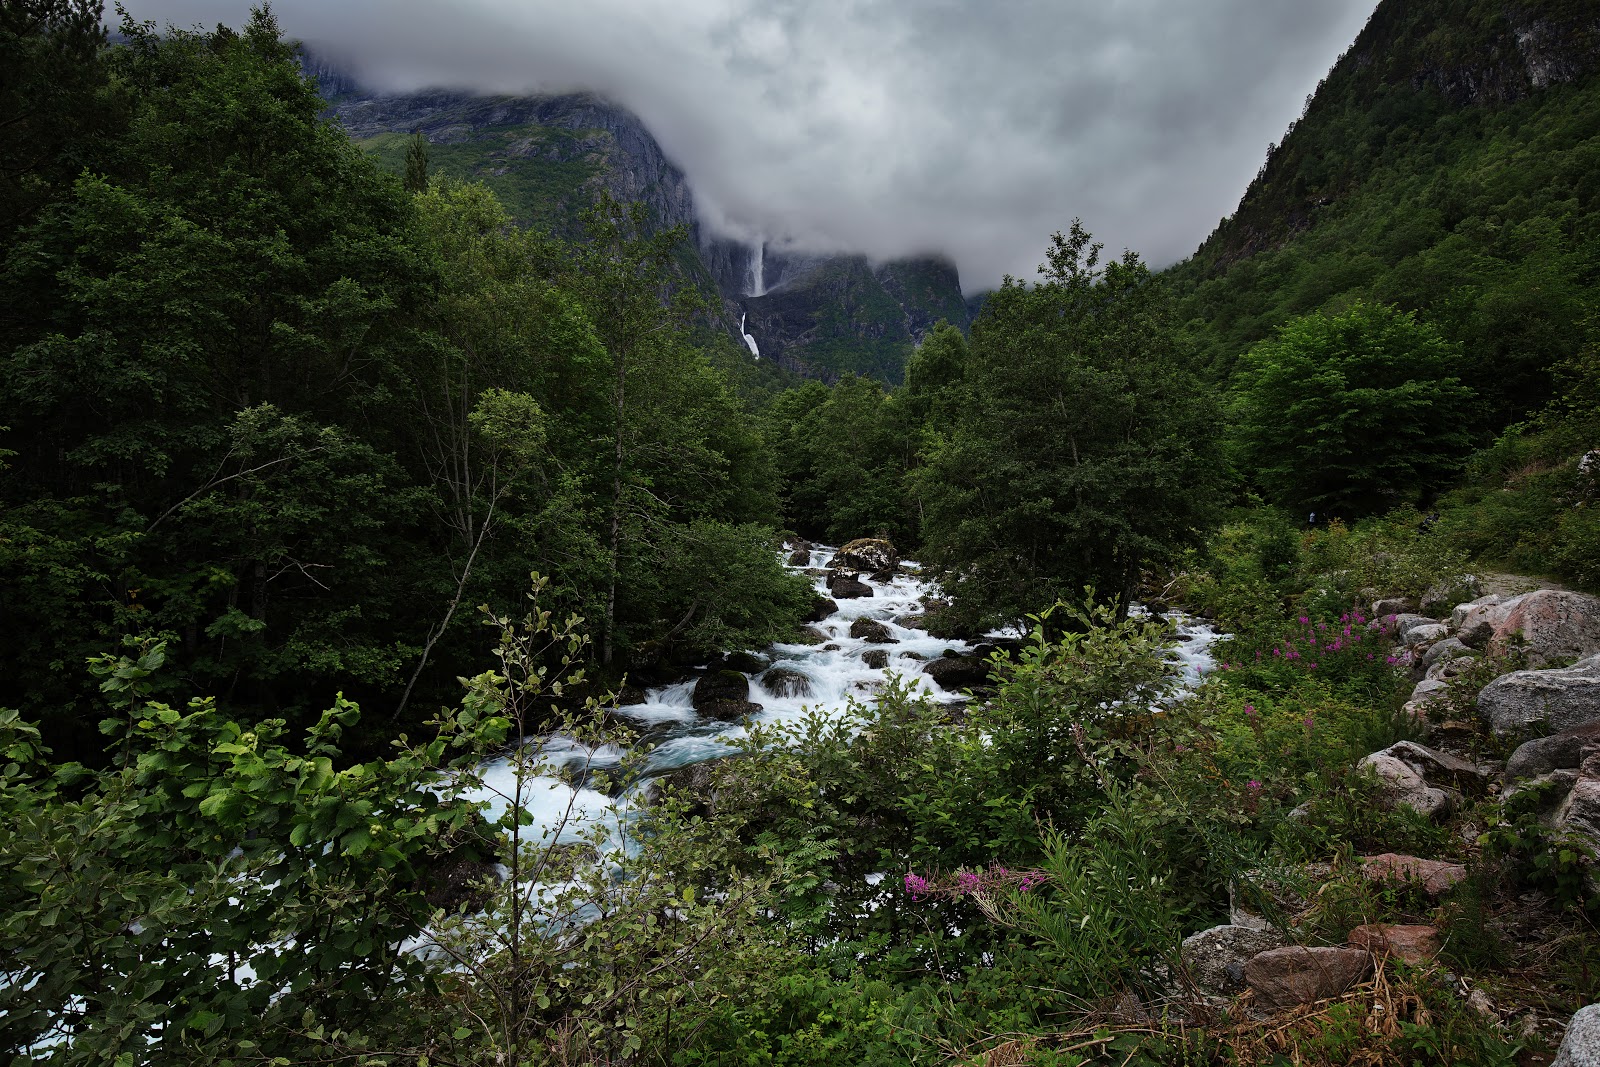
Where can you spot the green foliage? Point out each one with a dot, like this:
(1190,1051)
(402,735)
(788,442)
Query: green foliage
(271,407)
(843,453)
(1080,454)
(1539,857)
(217,883)
(1351,413)
(1429,173)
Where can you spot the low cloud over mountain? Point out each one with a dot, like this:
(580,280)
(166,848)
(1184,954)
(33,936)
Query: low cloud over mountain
(893,127)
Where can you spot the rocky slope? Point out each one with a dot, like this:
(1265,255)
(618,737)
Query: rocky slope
(548,156)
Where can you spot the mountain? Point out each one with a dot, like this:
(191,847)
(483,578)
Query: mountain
(1450,164)
(548,156)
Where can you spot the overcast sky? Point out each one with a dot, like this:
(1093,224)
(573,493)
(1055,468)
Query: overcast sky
(891,127)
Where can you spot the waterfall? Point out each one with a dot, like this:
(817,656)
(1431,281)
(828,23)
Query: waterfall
(758,270)
(749,341)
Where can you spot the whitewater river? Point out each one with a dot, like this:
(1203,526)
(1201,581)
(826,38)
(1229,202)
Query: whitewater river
(675,735)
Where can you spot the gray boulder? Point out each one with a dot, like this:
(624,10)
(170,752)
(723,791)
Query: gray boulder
(1549,701)
(876,658)
(822,607)
(956,672)
(866,554)
(1404,624)
(1545,754)
(1424,634)
(1581,1046)
(848,587)
(723,695)
(1482,617)
(1458,616)
(783,682)
(1448,649)
(1395,605)
(1428,782)
(1214,959)
(871,631)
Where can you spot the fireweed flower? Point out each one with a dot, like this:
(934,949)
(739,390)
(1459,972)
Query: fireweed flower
(1253,785)
(917,886)
(968,882)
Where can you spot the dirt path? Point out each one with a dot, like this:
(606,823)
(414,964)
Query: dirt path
(1513,584)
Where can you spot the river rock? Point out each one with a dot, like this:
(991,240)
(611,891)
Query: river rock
(799,557)
(723,695)
(956,672)
(1286,977)
(866,554)
(871,631)
(783,682)
(1545,754)
(810,635)
(876,658)
(822,607)
(699,783)
(1215,958)
(1581,1045)
(1547,701)
(848,587)
(1413,944)
(913,656)
(1551,626)
(1433,876)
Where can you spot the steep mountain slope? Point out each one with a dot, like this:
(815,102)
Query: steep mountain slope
(547,157)
(1449,163)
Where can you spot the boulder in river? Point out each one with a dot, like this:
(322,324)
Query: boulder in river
(871,631)
(821,608)
(957,672)
(876,658)
(866,554)
(848,587)
(784,682)
(724,695)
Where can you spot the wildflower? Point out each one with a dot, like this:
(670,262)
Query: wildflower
(1304,621)
(1249,709)
(1310,722)
(1253,785)
(917,886)
(968,882)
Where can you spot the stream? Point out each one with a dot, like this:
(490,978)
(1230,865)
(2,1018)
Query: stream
(835,672)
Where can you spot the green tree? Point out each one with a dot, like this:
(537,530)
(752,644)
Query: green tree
(1079,451)
(1353,412)
(416,179)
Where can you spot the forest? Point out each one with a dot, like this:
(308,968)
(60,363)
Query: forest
(322,484)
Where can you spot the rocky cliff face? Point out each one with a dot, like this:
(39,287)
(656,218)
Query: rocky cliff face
(547,157)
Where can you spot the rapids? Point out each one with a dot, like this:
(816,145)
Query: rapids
(675,735)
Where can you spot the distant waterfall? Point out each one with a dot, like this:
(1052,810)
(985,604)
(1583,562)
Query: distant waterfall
(749,341)
(758,270)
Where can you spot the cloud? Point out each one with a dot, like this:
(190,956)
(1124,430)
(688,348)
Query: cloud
(891,127)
